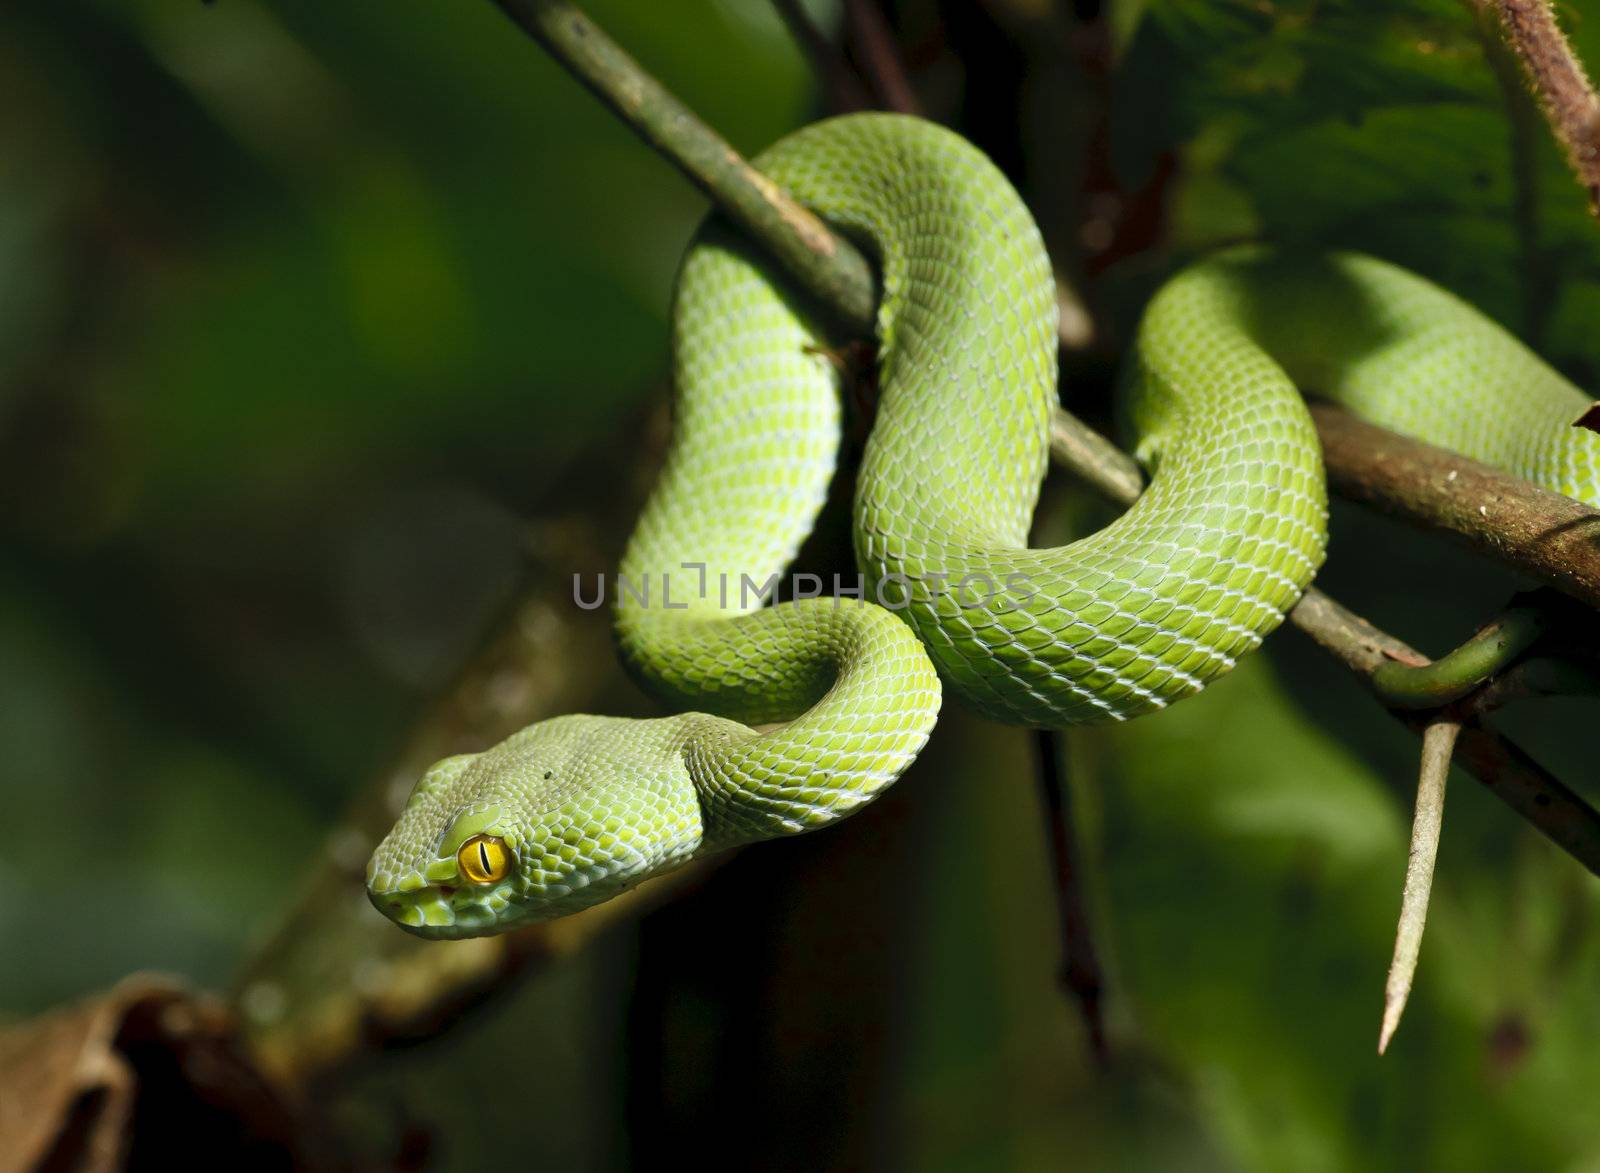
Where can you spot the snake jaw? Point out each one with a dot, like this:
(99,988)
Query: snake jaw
(542,886)
(442,910)
(561,816)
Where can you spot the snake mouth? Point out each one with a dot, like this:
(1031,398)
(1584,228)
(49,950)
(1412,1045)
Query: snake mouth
(439,910)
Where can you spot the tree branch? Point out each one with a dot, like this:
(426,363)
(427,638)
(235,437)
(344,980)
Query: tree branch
(827,265)
(1537,532)
(1541,534)
(1558,78)
(1080,972)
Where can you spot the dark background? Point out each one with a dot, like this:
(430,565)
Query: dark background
(314,317)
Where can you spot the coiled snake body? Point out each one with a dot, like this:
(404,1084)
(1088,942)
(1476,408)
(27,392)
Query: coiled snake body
(572,810)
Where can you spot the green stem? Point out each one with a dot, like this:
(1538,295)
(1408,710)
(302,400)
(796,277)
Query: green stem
(1468,667)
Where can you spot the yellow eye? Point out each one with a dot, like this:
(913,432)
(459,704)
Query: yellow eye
(484,859)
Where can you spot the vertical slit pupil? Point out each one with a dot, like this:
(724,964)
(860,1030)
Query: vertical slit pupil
(483,858)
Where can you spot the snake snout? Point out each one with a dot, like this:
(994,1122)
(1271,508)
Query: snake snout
(440,910)
(436,901)
(446,875)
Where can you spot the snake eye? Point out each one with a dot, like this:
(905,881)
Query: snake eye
(484,859)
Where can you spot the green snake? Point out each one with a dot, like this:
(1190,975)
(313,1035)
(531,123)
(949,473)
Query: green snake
(842,690)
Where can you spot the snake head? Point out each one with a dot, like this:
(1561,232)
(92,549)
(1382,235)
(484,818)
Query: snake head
(563,815)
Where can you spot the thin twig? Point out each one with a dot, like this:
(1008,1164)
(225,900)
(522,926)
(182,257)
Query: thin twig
(1080,962)
(1568,99)
(1438,740)
(842,88)
(875,48)
(1538,533)
(1523,124)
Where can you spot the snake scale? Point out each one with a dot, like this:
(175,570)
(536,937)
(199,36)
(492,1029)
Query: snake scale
(844,690)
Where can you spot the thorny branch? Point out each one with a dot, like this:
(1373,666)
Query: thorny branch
(1509,773)
(1438,743)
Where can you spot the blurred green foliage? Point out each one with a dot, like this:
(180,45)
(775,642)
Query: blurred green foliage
(286,286)
(303,306)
